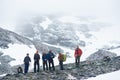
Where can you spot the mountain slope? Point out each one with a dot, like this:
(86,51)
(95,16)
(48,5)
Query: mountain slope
(86,70)
(58,31)
(9,53)
(14,47)
(8,37)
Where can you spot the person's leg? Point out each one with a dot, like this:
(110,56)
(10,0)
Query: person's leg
(38,68)
(53,65)
(61,65)
(44,65)
(25,69)
(78,60)
(49,65)
(35,66)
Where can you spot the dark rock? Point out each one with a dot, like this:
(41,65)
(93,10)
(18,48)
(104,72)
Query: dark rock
(101,54)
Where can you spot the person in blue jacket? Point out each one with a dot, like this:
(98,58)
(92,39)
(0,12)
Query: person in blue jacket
(26,63)
(50,60)
(45,59)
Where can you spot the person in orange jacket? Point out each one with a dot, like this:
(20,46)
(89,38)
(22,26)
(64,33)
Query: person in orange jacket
(77,54)
(60,58)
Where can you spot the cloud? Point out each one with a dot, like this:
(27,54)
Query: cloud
(11,9)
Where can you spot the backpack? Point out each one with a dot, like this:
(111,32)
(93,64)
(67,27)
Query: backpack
(64,57)
(19,70)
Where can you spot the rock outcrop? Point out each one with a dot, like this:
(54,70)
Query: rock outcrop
(4,66)
(86,70)
(101,54)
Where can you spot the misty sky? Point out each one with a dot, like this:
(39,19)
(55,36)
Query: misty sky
(10,10)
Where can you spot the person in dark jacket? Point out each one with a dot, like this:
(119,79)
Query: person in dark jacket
(26,63)
(36,61)
(77,54)
(60,58)
(44,59)
(50,60)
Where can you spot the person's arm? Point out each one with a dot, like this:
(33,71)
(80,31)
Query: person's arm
(44,57)
(34,57)
(24,60)
(52,55)
(29,59)
(39,56)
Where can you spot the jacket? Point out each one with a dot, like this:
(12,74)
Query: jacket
(45,57)
(27,59)
(36,57)
(50,56)
(60,57)
(78,52)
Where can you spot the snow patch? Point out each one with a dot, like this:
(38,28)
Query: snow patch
(3,75)
(109,76)
(117,51)
(70,77)
(18,52)
(8,26)
(45,23)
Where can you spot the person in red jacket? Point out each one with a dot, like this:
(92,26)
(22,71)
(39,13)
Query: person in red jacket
(77,54)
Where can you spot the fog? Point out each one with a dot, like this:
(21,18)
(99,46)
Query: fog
(11,10)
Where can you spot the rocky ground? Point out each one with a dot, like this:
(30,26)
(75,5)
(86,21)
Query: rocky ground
(86,70)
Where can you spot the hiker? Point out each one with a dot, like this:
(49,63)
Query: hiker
(60,58)
(77,54)
(27,60)
(19,70)
(44,59)
(36,61)
(50,60)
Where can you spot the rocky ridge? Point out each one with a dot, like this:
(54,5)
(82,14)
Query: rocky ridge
(100,54)
(4,66)
(86,70)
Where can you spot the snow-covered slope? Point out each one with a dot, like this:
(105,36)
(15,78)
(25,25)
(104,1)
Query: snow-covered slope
(18,52)
(69,31)
(109,76)
(65,31)
(9,37)
(13,49)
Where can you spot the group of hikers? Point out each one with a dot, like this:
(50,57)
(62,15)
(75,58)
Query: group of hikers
(48,62)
